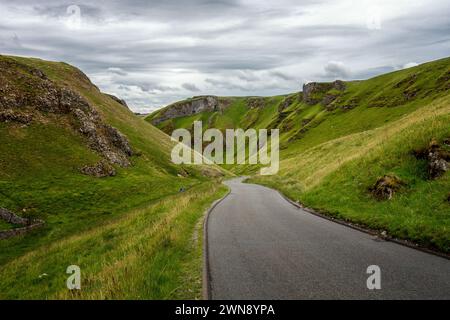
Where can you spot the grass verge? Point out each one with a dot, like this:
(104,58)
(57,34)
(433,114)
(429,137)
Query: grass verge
(146,253)
(335,177)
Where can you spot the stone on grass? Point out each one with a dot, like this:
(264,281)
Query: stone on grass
(100,170)
(386,187)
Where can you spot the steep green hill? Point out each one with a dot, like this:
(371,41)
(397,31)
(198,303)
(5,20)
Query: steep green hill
(338,139)
(101,179)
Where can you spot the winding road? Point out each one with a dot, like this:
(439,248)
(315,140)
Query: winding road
(260,246)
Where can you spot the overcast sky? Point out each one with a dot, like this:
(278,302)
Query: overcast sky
(151,53)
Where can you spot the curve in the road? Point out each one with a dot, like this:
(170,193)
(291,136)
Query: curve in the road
(262,247)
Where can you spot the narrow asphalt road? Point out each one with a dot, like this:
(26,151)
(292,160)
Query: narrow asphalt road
(262,247)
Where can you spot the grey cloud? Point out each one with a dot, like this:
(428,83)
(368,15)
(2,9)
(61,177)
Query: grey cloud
(16,40)
(282,76)
(60,9)
(149,51)
(229,85)
(167,9)
(153,88)
(247,75)
(190,87)
(336,69)
(118,71)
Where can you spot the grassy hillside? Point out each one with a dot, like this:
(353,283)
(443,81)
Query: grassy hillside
(94,223)
(338,139)
(238,112)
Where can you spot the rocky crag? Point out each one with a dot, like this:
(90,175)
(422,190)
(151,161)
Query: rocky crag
(27,95)
(118,100)
(189,107)
(322,92)
(25,224)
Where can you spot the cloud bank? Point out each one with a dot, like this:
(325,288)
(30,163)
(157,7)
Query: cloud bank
(152,53)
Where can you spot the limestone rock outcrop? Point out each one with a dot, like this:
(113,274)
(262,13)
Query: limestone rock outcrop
(188,107)
(438,159)
(99,170)
(317,92)
(25,223)
(28,95)
(118,100)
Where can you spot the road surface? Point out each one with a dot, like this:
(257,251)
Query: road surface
(262,247)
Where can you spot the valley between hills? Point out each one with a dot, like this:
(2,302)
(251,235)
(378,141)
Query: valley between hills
(374,153)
